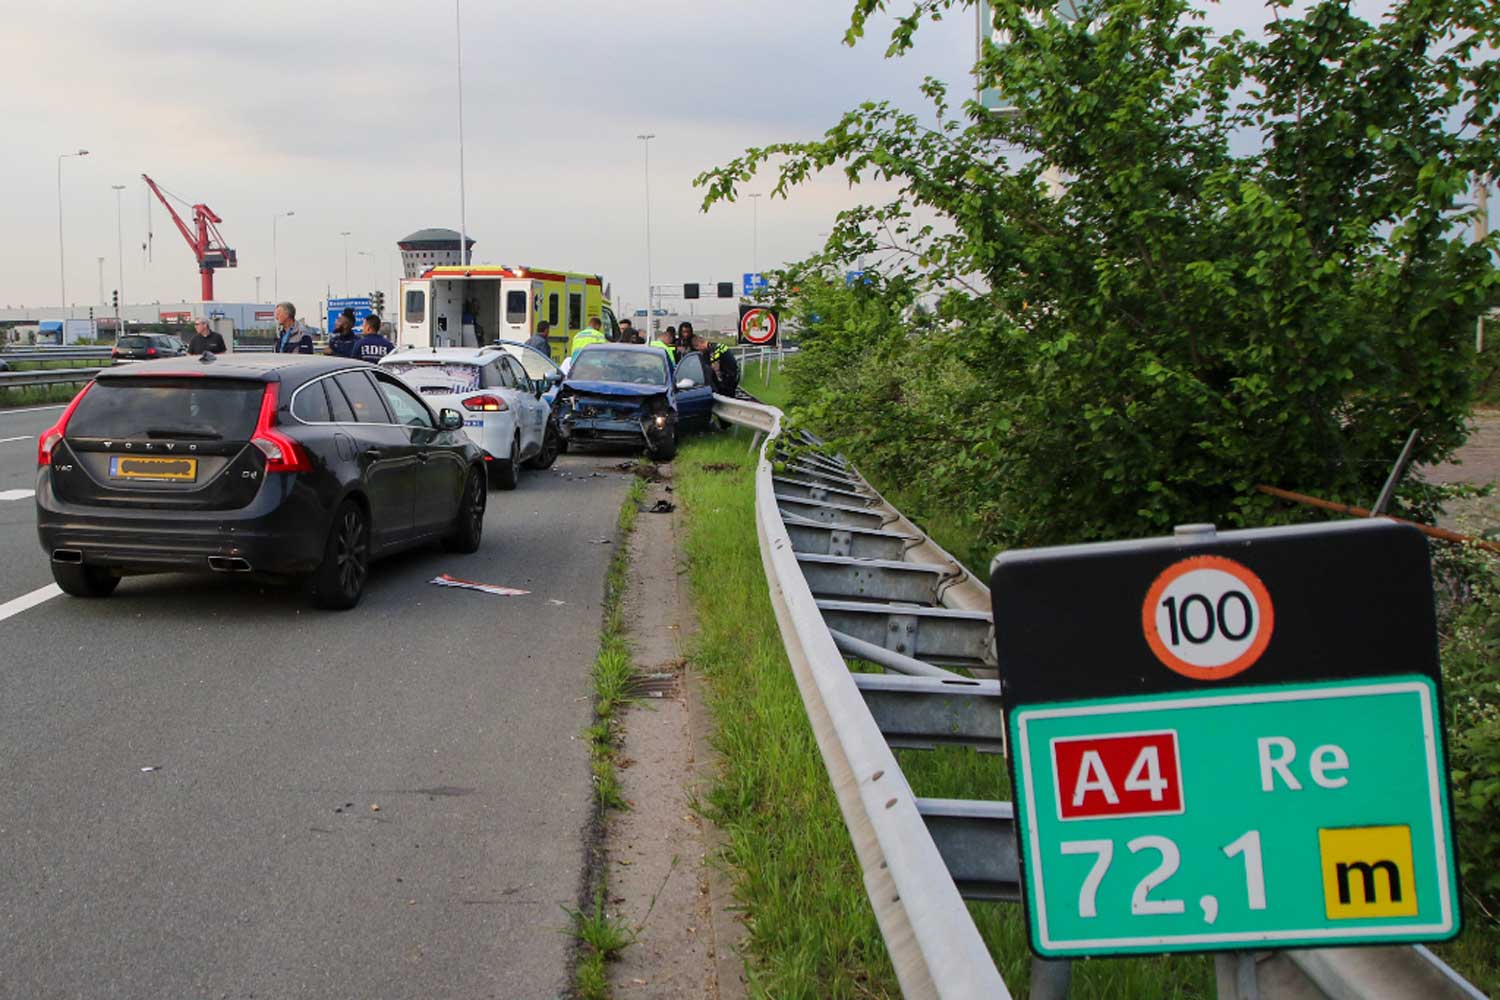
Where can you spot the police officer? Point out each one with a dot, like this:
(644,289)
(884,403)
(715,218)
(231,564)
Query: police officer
(665,343)
(720,361)
(593,334)
(341,344)
(372,346)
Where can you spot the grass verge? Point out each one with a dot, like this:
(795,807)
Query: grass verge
(601,937)
(811,932)
(37,395)
(765,383)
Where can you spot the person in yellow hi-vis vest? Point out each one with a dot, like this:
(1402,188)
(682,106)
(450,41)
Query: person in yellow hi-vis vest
(592,334)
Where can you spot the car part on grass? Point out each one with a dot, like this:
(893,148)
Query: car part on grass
(851,577)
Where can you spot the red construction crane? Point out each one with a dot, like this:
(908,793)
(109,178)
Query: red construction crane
(208,246)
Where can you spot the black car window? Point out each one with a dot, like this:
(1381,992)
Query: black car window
(504,378)
(338,403)
(409,410)
(517,373)
(692,367)
(368,408)
(133,343)
(311,404)
(168,408)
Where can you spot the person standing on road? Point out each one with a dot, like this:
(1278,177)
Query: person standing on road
(372,346)
(538,341)
(341,344)
(205,339)
(593,334)
(293,338)
(628,333)
(668,342)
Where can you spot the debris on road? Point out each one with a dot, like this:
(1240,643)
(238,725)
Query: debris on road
(600,541)
(554,600)
(153,767)
(484,588)
(661,507)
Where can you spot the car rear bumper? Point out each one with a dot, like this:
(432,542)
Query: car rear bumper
(282,533)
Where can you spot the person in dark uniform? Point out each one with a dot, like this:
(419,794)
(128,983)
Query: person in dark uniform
(372,346)
(719,360)
(205,339)
(341,343)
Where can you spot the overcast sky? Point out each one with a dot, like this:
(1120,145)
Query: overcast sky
(345,114)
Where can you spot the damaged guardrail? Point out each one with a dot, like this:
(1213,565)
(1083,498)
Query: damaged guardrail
(850,576)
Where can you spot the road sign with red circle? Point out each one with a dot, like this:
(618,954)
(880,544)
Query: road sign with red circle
(1208,618)
(759,324)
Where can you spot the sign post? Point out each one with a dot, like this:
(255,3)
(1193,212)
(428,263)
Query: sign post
(361,305)
(1227,741)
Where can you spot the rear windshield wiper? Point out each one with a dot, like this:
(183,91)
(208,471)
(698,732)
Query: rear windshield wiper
(183,432)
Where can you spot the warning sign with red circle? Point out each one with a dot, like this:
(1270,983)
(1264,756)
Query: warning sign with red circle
(759,324)
(1208,617)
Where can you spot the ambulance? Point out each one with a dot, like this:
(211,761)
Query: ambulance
(468,306)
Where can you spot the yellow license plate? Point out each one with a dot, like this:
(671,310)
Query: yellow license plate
(171,470)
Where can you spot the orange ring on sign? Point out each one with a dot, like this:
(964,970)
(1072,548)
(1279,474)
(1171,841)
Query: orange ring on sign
(1239,664)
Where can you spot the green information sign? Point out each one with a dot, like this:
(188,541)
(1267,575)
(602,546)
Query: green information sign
(1273,816)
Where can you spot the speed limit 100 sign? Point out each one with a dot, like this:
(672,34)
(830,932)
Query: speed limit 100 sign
(1207,617)
(1227,741)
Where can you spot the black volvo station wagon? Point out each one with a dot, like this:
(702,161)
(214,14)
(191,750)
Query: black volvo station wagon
(287,466)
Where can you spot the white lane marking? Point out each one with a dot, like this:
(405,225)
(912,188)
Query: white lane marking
(11,608)
(34,409)
(17,494)
(18,437)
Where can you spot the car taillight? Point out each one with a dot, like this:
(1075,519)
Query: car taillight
(488,404)
(114,352)
(150,352)
(282,453)
(48,440)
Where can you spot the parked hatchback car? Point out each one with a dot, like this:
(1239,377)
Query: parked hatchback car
(630,394)
(503,409)
(147,347)
(288,466)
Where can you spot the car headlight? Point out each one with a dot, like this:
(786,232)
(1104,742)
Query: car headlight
(661,420)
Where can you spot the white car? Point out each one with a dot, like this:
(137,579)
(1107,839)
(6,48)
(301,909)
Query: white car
(503,409)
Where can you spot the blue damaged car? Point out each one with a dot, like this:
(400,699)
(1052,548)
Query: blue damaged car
(624,394)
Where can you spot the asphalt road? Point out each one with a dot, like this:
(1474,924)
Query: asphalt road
(253,862)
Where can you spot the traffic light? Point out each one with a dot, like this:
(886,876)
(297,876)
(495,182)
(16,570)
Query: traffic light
(690,291)
(377,302)
(91,314)
(726,289)
(115,297)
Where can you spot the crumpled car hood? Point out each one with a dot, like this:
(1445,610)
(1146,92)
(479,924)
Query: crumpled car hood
(614,388)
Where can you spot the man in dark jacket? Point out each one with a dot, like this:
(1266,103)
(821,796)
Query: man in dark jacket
(372,346)
(341,343)
(538,341)
(293,338)
(205,339)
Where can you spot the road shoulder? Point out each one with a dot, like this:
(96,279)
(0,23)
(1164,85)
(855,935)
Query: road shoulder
(663,877)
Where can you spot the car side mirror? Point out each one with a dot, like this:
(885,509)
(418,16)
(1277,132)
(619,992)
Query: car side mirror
(686,383)
(555,378)
(450,419)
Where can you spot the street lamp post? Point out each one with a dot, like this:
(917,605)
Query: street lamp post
(755,235)
(62,264)
(650,305)
(102,300)
(257,289)
(345,235)
(119,242)
(463,223)
(368,276)
(275,263)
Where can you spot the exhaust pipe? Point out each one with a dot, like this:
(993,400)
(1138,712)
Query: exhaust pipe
(74,556)
(228,564)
